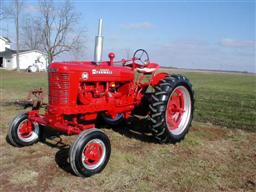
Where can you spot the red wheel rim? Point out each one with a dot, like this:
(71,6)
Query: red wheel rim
(25,129)
(175,109)
(178,110)
(93,154)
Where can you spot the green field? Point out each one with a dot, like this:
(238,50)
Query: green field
(225,99)
(210,158)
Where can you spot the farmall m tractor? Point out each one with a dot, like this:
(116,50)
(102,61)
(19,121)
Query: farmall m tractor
(79,92)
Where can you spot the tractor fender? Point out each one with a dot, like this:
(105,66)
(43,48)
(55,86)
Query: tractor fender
(158,77)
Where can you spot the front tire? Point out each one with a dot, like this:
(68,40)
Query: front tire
(23,132)
(90,153)
(171,109)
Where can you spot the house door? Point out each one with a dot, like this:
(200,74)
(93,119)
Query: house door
(1,62)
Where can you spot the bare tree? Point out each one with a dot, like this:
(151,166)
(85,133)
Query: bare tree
(2,11)
(2,15)
(31,31)
(59,24)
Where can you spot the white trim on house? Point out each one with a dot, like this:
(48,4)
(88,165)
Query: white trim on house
(28,51)
(5,39)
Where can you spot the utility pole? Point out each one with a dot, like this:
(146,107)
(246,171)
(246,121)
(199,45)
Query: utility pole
(17,34)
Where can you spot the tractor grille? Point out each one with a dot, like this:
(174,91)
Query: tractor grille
(58,88)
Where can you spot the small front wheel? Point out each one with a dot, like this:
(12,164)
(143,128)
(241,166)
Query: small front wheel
(23,132)
(90,153)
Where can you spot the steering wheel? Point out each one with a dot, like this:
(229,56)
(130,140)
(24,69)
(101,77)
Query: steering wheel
(142,56)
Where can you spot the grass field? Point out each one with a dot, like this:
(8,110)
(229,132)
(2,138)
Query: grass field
(224,99)
(211,158)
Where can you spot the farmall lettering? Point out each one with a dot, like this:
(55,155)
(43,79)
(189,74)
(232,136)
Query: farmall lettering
(101,72)
(163,102)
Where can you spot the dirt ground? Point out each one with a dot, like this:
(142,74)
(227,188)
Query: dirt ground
(209,159)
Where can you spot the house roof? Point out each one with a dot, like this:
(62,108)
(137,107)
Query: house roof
(7,53)
(29,50)
(10,52)
(6,39)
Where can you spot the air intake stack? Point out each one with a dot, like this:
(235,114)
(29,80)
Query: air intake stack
(98,45)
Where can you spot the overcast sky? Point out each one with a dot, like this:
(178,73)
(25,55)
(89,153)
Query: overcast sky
(189,34)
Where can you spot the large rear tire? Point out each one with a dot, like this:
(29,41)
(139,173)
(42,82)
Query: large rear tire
(90,153)
(171,109)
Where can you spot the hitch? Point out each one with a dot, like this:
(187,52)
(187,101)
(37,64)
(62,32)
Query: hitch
(35,99)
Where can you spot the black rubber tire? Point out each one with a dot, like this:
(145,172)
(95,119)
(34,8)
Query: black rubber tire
(111,121)
(158,106)
(13,132)
(29,69)
(143,108)
(75,153)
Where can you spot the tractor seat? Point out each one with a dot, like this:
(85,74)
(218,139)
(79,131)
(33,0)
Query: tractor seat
(149,68)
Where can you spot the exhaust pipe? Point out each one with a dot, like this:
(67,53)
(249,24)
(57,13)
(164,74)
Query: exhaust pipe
(98,45)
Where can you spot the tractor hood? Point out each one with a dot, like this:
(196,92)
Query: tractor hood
(88,71)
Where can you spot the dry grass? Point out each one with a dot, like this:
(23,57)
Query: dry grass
(209,159)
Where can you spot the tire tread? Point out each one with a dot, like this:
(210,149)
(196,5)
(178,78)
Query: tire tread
(158,107)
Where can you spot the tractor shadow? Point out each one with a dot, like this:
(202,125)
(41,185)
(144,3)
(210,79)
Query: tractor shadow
(54,139)
(62,160)
(136,128)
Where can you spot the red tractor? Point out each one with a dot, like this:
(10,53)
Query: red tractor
(79,92)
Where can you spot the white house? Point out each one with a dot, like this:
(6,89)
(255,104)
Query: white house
(26,57)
